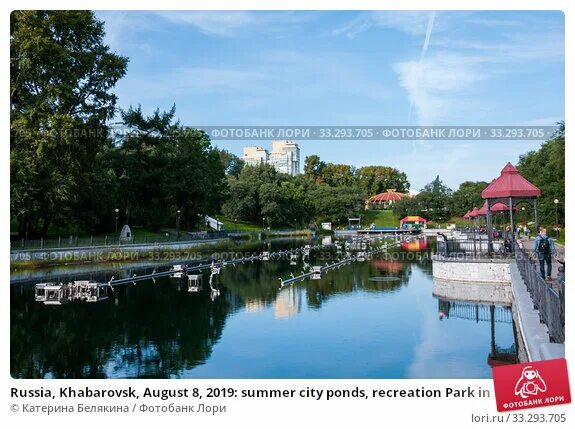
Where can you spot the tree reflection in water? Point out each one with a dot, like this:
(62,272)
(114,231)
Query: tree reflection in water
(159,329)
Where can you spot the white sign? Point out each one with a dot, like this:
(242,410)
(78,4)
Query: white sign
(326,225)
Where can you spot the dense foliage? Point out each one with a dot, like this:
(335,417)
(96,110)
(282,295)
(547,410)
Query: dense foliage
(61,74)
(260,194)
(66,172)
(432,203)
(545,168)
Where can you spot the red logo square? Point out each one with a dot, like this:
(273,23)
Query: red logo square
(531,385)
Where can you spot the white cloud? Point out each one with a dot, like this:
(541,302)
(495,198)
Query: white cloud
(411,22)
(225,24)
(433,83)
(234,23)
(184,81)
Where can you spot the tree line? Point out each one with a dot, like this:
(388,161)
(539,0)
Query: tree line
(69,173)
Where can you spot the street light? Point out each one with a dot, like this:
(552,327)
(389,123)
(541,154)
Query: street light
(556,201)
(178,225)
(263,223)
(523,214)
(117,211)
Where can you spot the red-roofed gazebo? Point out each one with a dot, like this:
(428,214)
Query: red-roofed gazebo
(497,207)
(386,199)
(509,188)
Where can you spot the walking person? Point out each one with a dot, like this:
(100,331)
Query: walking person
(526,231)
(508,241)
(441,244)
(545,249)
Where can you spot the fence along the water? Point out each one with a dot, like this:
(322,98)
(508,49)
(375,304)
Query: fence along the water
(474,311)
(548,298)
(475,247)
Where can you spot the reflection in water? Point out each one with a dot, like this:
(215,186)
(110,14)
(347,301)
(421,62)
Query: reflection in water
(484,313)
(180,327)
(288,303)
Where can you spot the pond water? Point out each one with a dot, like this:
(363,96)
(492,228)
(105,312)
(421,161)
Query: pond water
(372,319)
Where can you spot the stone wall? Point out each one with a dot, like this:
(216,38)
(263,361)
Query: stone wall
(472,270)
(480,292)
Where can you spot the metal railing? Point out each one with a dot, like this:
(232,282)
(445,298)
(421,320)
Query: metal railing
(113,240)
(548,298)
(473,248)
(475,311)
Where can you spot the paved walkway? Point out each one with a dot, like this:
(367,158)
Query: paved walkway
(529,244)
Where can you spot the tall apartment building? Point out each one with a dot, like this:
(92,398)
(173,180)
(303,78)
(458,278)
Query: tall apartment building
(255,155)
(284,157)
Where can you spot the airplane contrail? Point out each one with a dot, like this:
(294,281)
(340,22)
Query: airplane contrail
(422,56)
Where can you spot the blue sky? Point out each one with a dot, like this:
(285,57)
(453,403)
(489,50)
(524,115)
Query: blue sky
(352,68)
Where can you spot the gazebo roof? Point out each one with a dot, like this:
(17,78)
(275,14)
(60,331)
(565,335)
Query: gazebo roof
(497,207)
(510,184)
(390,195)
(413,219)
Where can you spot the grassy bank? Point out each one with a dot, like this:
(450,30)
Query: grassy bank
(381,219)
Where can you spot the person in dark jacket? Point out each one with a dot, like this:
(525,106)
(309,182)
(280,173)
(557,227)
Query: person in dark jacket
(545,249)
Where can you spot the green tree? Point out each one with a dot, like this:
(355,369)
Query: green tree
(243,200)
(432,203)
(163,167)
(337,203)
(545,168)
(467,196)
(61,75)
(233,164)
(375,179)
(338,175)
(313,167)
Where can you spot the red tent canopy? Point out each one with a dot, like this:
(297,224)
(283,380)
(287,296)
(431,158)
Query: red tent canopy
(510,184)
(497,207)
(467,215)
(473,213)
(413,219)
(388,196)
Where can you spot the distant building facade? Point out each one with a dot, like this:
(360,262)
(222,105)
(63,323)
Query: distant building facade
(284,157)
(255,155)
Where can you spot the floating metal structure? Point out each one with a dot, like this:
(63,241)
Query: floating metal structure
(316,271)
(90,291)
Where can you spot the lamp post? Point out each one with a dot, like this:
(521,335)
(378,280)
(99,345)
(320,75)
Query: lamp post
(523,214)
(263,223)
(556,201)
(199,218)
(116,211)
(178,225)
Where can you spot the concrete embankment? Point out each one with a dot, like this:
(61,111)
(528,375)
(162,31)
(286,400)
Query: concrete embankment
(497,281)
(472,270)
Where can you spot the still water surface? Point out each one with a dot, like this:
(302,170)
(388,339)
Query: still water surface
(341,326)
